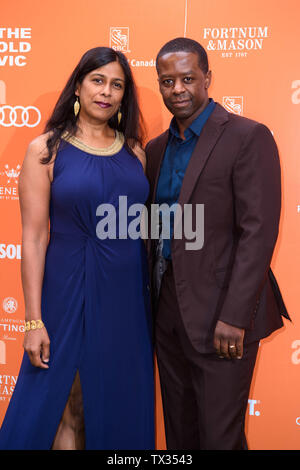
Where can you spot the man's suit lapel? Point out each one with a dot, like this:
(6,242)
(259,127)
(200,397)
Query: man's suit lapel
(211,132)
(205,144)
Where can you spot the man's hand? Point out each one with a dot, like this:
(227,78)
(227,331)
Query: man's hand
(228,340)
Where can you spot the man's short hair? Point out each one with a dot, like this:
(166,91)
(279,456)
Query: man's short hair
(185,45)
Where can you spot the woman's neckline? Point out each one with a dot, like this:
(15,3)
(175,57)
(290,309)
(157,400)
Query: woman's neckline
(114,148)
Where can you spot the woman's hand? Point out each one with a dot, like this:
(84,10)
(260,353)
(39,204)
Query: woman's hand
(37,345)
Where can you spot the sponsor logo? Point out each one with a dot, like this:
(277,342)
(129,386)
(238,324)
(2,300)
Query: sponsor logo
(2,92)
(9,181)
(10,251)
(119,41)
(142,63)
(19,116)
(7,386)
(10,305)
(12,173)
(295,358)
(14,46)
(252,407)
(10,326)
(235,41)
(233,104)
(119,38)
(296,93)
(2,352)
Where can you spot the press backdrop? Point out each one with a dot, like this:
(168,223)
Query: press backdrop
(253,47)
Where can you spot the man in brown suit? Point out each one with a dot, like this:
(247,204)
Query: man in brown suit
(212,304)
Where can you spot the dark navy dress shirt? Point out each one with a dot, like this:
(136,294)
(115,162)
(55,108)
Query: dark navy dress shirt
(175,162)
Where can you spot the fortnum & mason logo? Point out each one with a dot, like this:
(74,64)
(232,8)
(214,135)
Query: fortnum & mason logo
(235,42)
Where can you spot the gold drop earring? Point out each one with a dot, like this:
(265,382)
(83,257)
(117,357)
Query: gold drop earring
(119,115)
(76,106)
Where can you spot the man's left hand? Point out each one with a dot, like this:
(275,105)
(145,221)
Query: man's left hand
(228,341)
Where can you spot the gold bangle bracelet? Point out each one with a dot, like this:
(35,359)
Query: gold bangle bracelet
(33,325)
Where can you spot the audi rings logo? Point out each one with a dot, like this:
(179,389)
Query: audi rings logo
(19,116)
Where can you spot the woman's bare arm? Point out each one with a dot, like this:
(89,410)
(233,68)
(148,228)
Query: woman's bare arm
(34,195)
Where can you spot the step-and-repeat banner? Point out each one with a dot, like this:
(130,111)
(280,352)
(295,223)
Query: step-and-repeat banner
(253,48)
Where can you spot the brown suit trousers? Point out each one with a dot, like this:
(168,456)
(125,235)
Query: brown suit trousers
(204,397)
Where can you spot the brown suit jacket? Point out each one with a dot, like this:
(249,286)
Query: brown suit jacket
(235,172)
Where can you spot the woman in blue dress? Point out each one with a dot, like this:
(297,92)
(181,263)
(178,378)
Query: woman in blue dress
(86,379)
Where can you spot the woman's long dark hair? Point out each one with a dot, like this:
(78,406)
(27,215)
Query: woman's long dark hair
(63,118)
